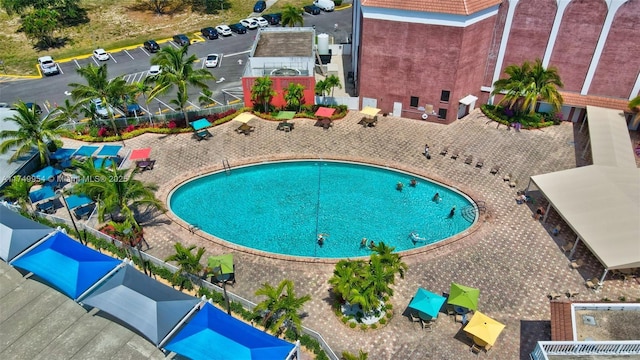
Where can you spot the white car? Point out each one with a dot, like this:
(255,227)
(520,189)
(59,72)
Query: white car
(100,55)
(211,60)
(102,111)
(223,30)
(249,23)
(262,22)
(154,70)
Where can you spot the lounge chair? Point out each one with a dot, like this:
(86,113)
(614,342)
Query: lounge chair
(427,325)
(475,348)
(202,134)
(444,151)
(480,163)
(554,295)
(494,170)
(414,318)
(455,154)
(575,264)
(513,183)
(468,160)
(449,310)
(145,165)
(83,212)
(507,177)
(567,247)
(47,207)
(593,283)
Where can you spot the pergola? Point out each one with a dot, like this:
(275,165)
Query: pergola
(601,202)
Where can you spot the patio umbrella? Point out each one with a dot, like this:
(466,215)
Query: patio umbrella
(427,302)
(222,262)
(200,124)
(140,154)
(325,112)
(464,296)
(484,328)
(370,111)
(47,173)
(285,115)
(109,151)
(244,117)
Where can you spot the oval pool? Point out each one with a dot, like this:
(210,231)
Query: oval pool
(281,207)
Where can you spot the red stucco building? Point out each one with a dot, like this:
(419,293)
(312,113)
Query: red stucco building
(439,59)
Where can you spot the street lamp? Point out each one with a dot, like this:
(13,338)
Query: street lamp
(64,201)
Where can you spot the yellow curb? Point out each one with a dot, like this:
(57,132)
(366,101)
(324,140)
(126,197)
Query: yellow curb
(342,7)
(234,101)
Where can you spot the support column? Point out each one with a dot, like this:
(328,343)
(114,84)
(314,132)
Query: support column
(562,6)
(503,43)
(573,249)
(613,6)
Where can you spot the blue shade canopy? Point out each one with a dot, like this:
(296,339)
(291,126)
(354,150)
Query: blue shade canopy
(102,162)
(85,151)
(46,192)
(152,308)
(212,334)
(74,201)
(200,124)
(18,233)
(62,154)
(66,264)
(427,302)
(109,150)
(47,173)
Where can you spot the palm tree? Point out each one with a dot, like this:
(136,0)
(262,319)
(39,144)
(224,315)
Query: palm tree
(177,71)
(349,356)
(18,191)
(262,92)
(294,96)
(333,82)
(115,190)
(527,84)
(322,88)
(281,306)
(32,132)
(291,16)
(346,276)
(98,86)
(380,277)
(634,106)
(390,259)
(68,111)
(188,262)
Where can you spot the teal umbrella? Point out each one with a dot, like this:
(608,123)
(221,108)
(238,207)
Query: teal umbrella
(464,296)
(427,302)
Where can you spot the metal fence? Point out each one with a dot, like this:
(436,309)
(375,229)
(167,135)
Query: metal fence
(544,349)
(247,304)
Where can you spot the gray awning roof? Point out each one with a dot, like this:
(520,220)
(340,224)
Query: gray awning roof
(17,233)
(610,142)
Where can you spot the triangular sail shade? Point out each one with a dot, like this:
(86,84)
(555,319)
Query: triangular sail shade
(370,111)
(200,124)
(285,115)
(46,192)
(109,151)
(47,173)
(62,154)
(17,233)
(74,201)
(85,151)
(140,154)
(244,117)
(325,112)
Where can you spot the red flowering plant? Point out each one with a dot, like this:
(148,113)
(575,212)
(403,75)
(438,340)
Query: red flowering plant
(103,132)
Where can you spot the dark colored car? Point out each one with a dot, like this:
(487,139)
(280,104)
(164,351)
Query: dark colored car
(260,6)
(238,28)
(151,46)
(35,107)
(181,40)
(130,107)
(209,32)
(273,19)
(312,9)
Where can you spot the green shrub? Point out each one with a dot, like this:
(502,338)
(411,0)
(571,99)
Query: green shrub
(353,325)
(337,2)
(374,326)
(382,321)
(344,319)
(364,326)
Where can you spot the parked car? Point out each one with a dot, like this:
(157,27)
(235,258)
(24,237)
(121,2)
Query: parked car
(101,110)
(273,19)
(238,28)
(326,5)
(181,40)
(48,66)
(312,9)
(130,107)
(249,23)
(35,107)
(151,46)
(209,32)
(262,22)
(211,60)
(260,6)
(100,55)
(154,70)
(223,30)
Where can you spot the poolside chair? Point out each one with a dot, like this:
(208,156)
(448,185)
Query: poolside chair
(202,135)
(449,309)
(455,154)
(575,264)
(513,183)
(567,247)
(427,325)
(145,165)
(480,163)
(554,295)
(593,283)
(507,177)
(444,151)
(475,348)
(494,170)
(415,319)
(468,160)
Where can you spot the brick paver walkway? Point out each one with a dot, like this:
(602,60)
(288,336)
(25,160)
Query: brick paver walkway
(513,259)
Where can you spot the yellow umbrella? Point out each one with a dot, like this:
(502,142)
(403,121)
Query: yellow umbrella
(244,117)
(484,328)
(370,111)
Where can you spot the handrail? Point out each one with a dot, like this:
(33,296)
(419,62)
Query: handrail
(226,166)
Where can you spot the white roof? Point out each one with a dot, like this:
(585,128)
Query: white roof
(601,202)
(467,100)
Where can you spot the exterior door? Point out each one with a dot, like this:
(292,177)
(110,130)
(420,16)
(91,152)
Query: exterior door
(397,109)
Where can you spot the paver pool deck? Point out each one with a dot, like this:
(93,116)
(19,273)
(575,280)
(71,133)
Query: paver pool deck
(513,259)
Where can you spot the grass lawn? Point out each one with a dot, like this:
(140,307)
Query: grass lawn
(115,24)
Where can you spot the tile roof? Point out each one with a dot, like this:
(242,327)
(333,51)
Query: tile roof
(457,7)
(561,325)
(575,99)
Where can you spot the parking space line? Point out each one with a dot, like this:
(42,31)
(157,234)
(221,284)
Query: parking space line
(210,98)
(238,53)
(125,50)
(174,44)
(144,51)
(77,64)
(220,59)
(194,105)
(202,59)
(163,103)
(59,69)
(112,58)
(96,61)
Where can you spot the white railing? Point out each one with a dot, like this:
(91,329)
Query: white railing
(558,348)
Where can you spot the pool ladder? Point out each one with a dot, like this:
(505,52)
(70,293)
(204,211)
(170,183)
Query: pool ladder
(469,212)
(226,166)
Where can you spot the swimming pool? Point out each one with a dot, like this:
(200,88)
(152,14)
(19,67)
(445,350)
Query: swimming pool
(281,207)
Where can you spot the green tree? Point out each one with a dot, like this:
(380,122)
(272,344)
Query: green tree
(294,96)
(32,132)
(178,72)
(634,106)
(349,356)
(68,111)
(322,88)
(18,191)
(40,24)
(390,259)
(346,276)
(99,86)
(281,307)
(188,262)
(527,84)
(291,16)
(262,92)
(333,82)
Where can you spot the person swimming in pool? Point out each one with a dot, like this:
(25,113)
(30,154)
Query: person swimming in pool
(363,242)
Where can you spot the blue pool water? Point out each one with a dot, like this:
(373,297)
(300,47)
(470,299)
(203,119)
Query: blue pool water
(281,207)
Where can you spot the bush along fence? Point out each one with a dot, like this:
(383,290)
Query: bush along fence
(507,117)
(155,267)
